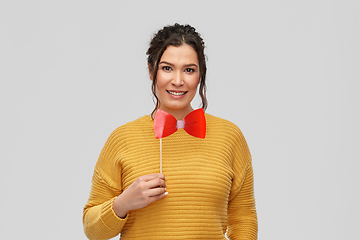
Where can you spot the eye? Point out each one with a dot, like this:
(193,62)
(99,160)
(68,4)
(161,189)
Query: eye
(189,70)
(166,68)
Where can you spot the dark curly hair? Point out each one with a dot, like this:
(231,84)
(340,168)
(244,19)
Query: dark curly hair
(176,35)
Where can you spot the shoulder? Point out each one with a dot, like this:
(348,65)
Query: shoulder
(217,122)
(220,127)
(133,128)
(135,125)
(225,132)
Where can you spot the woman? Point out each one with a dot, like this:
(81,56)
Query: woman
(191,182)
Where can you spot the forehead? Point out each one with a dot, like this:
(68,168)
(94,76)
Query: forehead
(183,54)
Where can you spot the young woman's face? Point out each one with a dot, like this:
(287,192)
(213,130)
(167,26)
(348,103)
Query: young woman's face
(177,79)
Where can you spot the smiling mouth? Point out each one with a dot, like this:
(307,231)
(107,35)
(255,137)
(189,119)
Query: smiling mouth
(176,93)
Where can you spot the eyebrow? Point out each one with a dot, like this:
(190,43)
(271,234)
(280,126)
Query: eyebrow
(187,65)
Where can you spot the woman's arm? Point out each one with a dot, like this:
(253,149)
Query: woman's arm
(107,209)
(99,219)
(106,215)
(242,217)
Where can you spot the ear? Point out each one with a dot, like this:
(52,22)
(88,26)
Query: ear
(150,73)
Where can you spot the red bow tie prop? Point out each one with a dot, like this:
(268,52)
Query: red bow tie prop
(166,124)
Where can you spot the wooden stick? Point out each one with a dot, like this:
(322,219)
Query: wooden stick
(160,155)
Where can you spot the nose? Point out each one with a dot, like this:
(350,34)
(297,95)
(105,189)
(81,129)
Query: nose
(177,79)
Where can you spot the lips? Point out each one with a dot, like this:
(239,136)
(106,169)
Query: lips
(177,93)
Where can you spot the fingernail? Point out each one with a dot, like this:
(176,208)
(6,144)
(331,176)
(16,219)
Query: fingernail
(166,193)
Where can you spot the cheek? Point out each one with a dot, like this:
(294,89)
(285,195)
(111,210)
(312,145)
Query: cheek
(161,80)
(193,82)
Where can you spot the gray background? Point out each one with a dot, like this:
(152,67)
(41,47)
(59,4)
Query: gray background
(286,72)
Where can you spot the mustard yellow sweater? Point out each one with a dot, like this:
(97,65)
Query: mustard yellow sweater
(210,184)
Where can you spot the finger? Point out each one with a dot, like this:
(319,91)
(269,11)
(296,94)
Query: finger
(157,182)
(158,197)
(156,175)
(156,191)
(151,176)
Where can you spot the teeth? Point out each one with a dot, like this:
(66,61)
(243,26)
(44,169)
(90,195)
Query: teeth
(176,93)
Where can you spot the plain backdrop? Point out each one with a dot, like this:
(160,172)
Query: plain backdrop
(286,72)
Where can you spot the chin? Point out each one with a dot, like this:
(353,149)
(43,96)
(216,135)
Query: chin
(176,107)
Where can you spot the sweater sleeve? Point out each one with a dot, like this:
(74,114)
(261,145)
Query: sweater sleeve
(242,216)
(99,219)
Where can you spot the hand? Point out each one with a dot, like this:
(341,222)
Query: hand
(143,191)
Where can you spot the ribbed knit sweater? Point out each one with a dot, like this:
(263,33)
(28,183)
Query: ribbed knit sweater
(210,184)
